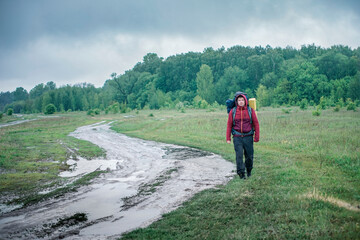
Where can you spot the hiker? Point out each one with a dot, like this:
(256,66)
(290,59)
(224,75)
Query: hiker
(243,128)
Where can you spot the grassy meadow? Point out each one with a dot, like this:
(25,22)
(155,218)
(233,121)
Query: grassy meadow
(33,153)
(305,183)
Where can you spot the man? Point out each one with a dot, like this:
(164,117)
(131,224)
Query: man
(243,127)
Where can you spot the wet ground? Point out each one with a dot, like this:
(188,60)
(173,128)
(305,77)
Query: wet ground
(145,179)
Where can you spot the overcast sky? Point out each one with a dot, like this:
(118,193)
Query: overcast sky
(75,41)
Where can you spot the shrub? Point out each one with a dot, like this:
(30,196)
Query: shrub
(337,108)
(198,102)
(1,115)
(123,108)
(114,108)
(287,111)
(90,112)
(341,102)
(317,112)
(50,109)
(275,105)
(204,104)
(304,104)
(351,106)
(97,111)
(10,111)
(216,105)
(180,106)
(322,103)
(151,115)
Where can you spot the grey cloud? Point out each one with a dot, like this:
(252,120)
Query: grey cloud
(22,20)
(40,39)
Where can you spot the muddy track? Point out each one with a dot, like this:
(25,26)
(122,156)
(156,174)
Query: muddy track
(145,179)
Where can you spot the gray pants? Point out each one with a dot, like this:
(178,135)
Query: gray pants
(244,146)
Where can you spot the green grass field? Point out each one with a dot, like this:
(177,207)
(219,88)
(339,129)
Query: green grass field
(305,183)
(33,153)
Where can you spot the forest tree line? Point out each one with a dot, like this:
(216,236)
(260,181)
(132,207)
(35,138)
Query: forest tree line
(275,76)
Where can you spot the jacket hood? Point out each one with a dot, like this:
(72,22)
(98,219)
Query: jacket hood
(241,95)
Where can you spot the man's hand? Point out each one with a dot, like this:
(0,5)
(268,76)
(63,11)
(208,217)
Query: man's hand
(228,141)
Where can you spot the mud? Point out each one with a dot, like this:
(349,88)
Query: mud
(145,179)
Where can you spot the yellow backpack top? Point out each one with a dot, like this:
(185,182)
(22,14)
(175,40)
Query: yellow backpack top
(252,103)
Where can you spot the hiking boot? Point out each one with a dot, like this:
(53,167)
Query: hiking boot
(248,172)
(242,175)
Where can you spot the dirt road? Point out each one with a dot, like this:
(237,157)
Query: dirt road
(145,179)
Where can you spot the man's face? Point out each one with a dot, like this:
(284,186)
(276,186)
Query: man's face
(241,101)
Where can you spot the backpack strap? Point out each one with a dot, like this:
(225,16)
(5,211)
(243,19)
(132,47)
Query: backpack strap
(234,112)
(233,131)
(250,111)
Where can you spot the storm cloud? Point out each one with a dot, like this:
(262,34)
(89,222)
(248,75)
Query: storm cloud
(78,41)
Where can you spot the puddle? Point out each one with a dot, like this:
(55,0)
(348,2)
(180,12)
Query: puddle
(8,208)
(145,180)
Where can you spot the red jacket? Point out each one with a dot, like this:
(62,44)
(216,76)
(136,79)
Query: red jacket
(242,122)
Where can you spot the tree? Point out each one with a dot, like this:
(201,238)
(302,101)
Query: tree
(46,100)
(205,83)
(20,94)
(272,60)
(37,91)
(354,87)
(277,75)
(151,63)
(50,85)
(123,84)
(5,98)
(255,70)
(233,80)
(310,51)
(84,103)
(263,96)
(269,80)
(336,65)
